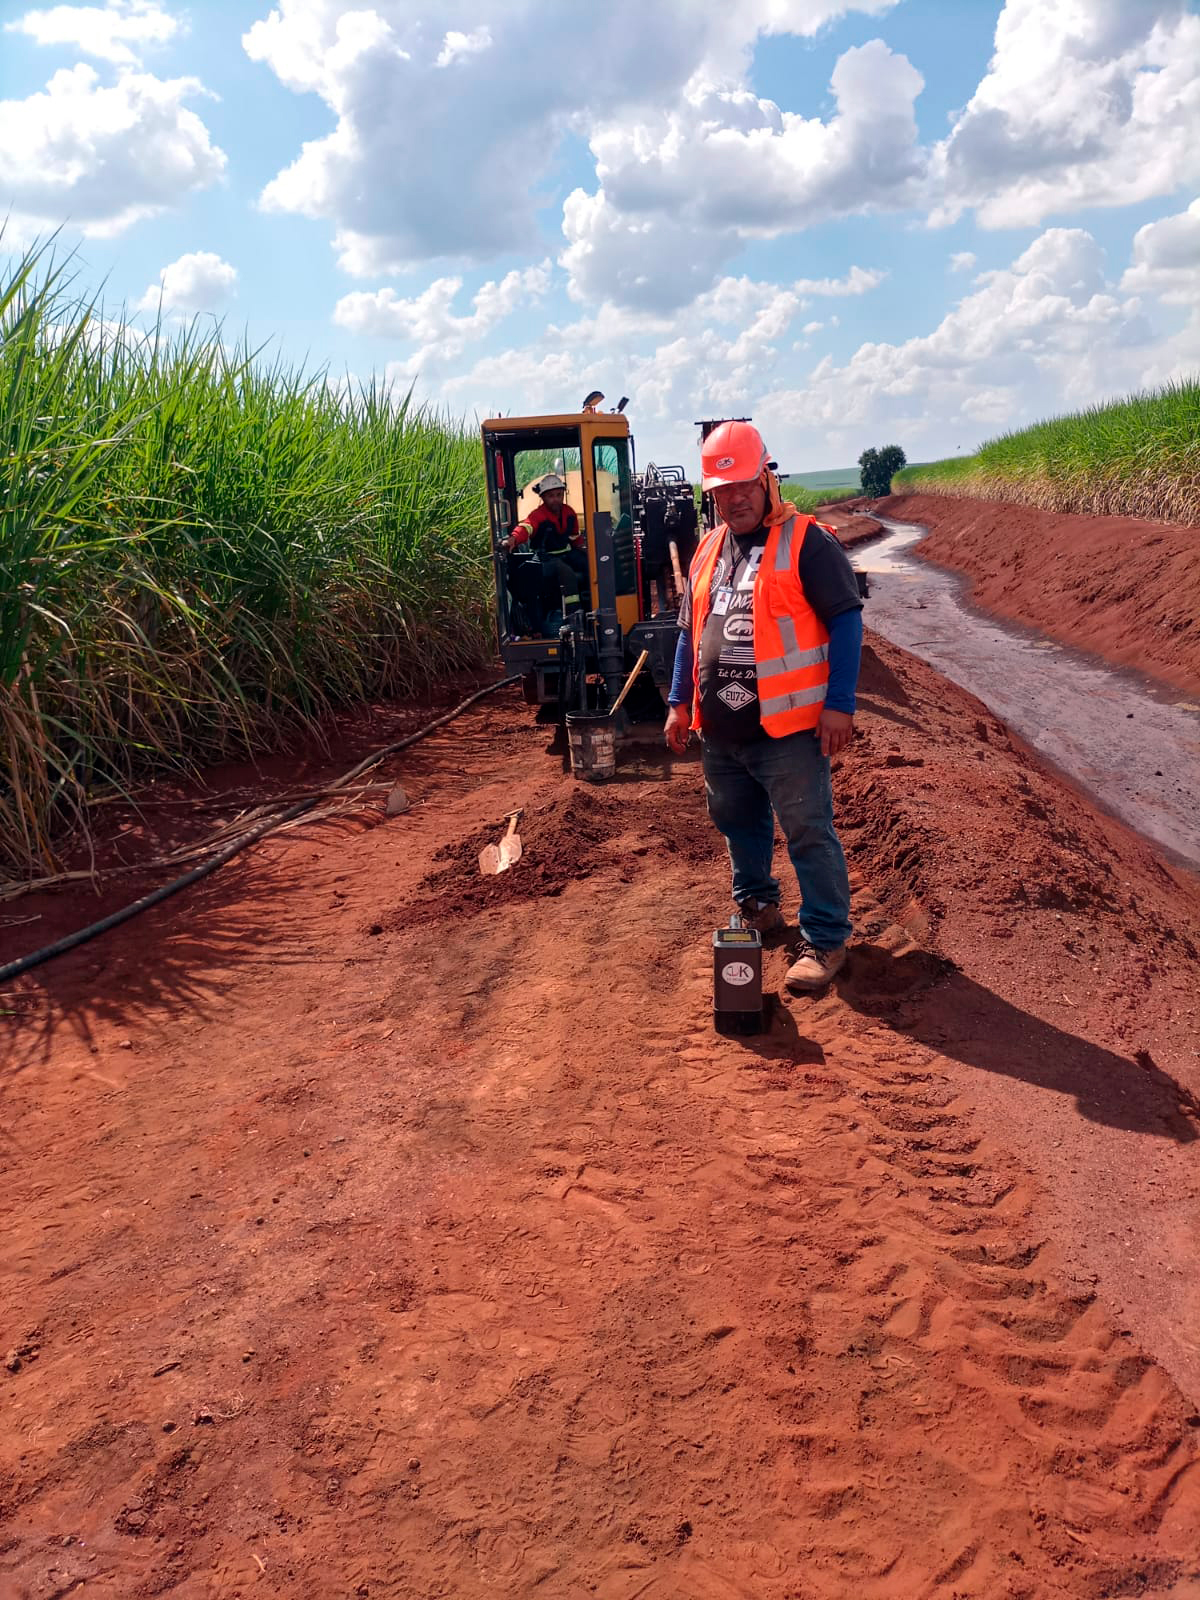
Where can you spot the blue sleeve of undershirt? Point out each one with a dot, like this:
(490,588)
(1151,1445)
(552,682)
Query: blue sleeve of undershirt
(681,678)
(845,651)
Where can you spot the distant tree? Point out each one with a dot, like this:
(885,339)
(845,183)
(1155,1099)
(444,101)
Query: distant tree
(877,469)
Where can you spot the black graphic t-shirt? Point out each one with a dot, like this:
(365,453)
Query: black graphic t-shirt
(729,707)
(728,684)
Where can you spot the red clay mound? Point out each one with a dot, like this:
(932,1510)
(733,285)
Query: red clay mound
(566,840)
(1127,590)
(851,526)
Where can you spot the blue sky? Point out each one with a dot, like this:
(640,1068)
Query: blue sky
(860,221)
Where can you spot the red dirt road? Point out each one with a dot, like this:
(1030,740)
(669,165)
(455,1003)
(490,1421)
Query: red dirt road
(376,1231)
(1124,589)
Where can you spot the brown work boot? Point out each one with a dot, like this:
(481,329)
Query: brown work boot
(813,968)
(764,915)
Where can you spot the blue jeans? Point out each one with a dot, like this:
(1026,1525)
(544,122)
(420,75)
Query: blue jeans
(789,777)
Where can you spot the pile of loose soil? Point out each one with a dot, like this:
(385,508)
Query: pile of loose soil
(1127,590)
(565,841)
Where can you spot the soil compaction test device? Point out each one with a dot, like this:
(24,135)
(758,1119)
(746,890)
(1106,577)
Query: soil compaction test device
(737,979)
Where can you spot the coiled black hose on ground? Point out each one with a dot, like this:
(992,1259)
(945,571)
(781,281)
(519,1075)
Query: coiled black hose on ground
(14,969)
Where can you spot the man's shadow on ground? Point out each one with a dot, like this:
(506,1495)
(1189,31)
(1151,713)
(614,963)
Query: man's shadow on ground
(926,999)
(931,1001)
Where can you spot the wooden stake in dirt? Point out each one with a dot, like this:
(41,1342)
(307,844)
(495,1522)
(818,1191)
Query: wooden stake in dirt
(495,858)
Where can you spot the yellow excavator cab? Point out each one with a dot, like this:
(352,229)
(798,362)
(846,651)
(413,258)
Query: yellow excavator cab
(558,649)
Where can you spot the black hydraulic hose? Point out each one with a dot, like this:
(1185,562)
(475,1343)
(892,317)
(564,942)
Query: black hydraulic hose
(14,969)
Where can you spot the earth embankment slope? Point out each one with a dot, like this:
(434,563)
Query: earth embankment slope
(851,526)
(379,1230)
(1124,589)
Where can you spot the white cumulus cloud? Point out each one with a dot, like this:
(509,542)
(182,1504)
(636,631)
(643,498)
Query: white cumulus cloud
(962,261)
(118,31)
(1166,259)
(1085,103)
(412,173)
(197,282)
(429,320)
(1054,330)
(859,280)
(1166,266)
(732,344)
(103,157)
(1047,333)
(456,46)
(681,192)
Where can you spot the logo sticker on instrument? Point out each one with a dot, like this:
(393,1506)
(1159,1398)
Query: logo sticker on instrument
(736,695)
(737,973)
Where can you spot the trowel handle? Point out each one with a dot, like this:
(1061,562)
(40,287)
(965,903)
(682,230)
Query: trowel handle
(512,824)
(641,662)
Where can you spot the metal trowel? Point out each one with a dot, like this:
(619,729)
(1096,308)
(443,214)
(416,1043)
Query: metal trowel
(499,857)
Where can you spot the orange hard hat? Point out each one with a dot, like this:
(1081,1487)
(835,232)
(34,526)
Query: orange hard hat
(732,453)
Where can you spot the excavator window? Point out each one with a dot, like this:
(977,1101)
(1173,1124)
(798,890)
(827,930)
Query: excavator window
(531,465)
(614,508)
(528,608)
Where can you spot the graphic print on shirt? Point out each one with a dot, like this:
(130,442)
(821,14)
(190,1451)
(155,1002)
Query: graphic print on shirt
(736,695)
(734,681)
(737,635)
(737,640)
(749,570)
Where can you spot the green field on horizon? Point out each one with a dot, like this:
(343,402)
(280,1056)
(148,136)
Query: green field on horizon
(840,478)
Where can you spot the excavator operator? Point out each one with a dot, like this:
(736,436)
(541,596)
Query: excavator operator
(552,532)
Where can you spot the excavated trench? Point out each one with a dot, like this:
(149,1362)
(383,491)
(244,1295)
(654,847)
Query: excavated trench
(1131,743)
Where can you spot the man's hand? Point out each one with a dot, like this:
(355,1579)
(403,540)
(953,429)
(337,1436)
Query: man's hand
(678,729)
(506,543)
(835,731)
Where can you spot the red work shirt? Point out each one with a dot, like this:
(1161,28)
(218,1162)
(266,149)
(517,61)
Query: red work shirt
(542,527)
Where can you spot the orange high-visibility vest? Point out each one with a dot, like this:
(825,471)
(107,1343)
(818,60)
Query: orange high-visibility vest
(791,643)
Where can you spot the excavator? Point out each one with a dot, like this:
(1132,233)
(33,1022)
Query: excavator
(577,657)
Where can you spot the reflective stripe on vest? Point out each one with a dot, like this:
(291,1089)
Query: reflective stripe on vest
(791,643)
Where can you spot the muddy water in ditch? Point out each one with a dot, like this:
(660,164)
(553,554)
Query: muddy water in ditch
(1132,744)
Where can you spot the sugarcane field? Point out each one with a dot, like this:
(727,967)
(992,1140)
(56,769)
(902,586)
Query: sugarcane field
(593,1002)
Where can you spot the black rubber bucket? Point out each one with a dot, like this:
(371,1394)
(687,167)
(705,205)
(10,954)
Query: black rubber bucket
(592,741)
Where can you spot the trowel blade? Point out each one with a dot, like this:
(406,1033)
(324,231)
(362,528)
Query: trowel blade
(510,851)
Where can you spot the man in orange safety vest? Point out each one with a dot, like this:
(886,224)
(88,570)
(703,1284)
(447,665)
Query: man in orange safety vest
(765,671)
